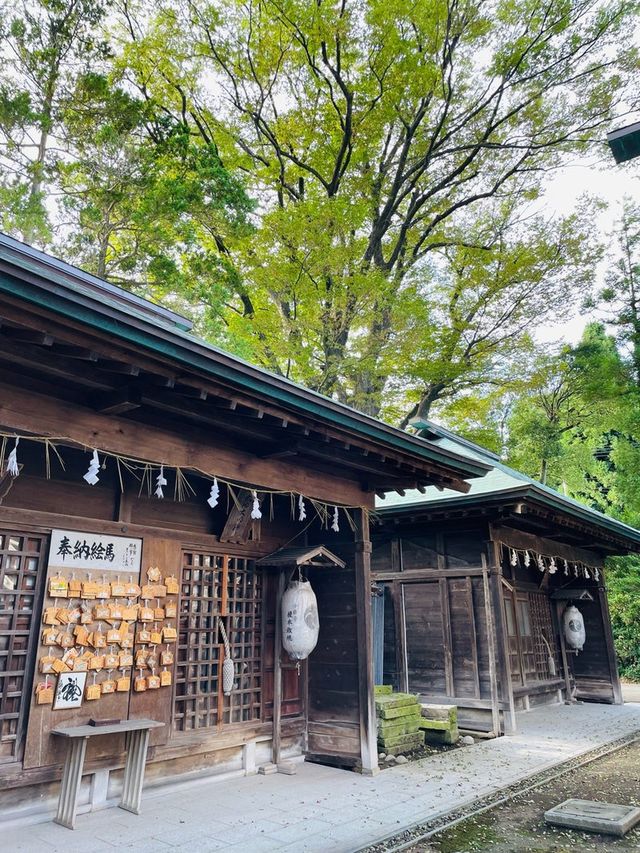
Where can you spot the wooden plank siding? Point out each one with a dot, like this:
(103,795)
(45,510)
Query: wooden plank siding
(448,647)
(333,714)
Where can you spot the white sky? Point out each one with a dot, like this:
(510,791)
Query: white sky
(608,181)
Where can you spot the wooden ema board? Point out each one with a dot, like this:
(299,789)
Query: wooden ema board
(41,748)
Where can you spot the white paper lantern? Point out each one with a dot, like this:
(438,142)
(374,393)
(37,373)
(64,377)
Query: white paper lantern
(300,624)
(574,630)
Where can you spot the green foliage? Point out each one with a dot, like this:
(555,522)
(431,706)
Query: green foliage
(395,154)
(45,45)
(390,256)
(153,213)
(623,581)
(563,429)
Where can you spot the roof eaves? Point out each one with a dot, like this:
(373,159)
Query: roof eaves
(431,504)
(59,272)
(171,342)
(525,492)
(560,502)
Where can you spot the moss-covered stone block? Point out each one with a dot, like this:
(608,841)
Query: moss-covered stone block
(447,713)
(405,741)
(435,725)
(396,700)
(402,725)
(409,744)
(441,736)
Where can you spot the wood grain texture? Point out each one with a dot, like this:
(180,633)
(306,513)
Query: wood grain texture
(25,412)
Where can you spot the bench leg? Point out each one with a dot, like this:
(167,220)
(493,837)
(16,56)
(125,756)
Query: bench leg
(71,777)
(134,771)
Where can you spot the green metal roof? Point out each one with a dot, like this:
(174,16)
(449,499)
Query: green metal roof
(502,482)
(625,142)
(52,284)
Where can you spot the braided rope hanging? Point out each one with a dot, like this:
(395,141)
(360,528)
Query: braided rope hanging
(228,666)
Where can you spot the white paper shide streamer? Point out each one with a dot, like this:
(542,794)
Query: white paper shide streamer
(12,461)
(214,494)
(551,564)
(91,476)
(161,481)
(98,460)
(255,509)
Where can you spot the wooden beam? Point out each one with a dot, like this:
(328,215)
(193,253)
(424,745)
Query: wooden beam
(473,635)
(157,380)
(491,647)
(72,351)
(612,659)
(279,454)
(239,523)
(112,366)
(118,402)
(191,392)
(29,336)
(26,412)
(277,672)
(332,454)
(206,414)
(23,355)
(522,541)
(556,618)
(447,639)
(503,659)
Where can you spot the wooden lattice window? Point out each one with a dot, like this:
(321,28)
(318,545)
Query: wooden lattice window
(543,634)
(215,588)
(245,636)
(21,557)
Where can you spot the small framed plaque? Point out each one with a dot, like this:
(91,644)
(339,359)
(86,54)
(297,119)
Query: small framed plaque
(69,690)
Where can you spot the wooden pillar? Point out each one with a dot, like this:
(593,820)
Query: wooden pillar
(397,593)
(447,640)
(367,713)
(277,672)
(504,666)
(491,646)
(611,650)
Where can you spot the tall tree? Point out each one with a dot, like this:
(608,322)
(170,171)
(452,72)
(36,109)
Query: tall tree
(373,132)
(563,430)
(148,205)
(474,326)
(45,44)
(619,300)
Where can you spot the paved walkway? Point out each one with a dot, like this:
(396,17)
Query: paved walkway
(323,810)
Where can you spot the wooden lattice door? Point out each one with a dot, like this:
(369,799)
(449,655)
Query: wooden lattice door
(217,589)
(21,559)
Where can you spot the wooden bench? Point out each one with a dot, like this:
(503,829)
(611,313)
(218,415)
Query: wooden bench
(136,748)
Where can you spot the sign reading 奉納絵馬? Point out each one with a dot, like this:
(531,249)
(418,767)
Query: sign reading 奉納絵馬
(71,549)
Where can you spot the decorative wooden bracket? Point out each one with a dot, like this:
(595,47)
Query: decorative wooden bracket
(240,527)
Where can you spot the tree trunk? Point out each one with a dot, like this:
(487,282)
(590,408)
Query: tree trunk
(37,173)
(422,409)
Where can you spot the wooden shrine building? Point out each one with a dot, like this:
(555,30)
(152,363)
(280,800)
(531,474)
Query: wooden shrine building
(471,590)
(143,473)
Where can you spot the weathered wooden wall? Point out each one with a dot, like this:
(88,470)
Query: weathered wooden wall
(333,715)
(437,640)
(443,642)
